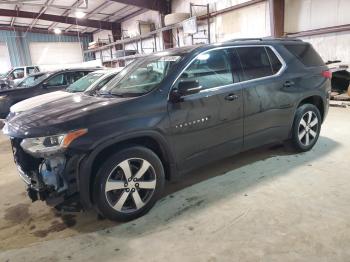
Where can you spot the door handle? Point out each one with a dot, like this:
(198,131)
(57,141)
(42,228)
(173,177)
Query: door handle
(231,97)
(288,84)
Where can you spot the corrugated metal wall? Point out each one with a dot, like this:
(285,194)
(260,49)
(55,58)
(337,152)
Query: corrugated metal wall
(18,44)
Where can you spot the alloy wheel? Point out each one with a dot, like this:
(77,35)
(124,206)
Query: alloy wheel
(308,128)
(130,185)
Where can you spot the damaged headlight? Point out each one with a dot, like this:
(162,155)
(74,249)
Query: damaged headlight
(50,144)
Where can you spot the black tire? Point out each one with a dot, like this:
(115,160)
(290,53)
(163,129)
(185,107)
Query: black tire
(112,167)
(300,142)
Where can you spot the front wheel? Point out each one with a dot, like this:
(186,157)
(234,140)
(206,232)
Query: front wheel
(128,184)
(306,127)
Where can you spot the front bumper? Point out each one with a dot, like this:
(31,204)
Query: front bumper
(63,195)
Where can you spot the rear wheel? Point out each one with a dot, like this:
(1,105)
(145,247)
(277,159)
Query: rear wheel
(128,184)
(306,127)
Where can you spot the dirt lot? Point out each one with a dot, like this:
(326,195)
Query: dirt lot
(269,204)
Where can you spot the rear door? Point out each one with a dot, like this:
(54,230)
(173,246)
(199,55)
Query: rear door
(267,103)
(208,125)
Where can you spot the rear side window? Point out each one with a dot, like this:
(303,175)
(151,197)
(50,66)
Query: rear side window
(30,70)
(255,62)
(74,76)
(306,54)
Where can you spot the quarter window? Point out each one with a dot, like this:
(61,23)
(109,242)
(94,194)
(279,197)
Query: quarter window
(275,62)
(211,69)
(255,62)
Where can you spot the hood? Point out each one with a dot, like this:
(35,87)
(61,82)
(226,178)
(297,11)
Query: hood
(68,113)
(38,101)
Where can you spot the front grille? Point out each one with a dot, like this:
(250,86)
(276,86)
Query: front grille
(26,162)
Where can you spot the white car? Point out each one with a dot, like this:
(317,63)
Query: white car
(91,82)
(17,74)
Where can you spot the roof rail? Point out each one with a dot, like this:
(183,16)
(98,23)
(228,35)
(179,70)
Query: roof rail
(264,38)
(244,39)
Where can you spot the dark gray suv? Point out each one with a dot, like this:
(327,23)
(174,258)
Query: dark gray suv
(164,115)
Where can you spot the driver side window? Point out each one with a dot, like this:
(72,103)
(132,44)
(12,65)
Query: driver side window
(57,80)
(211,69)
(17,73)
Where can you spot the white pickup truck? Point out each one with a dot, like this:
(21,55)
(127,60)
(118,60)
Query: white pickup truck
(16,74)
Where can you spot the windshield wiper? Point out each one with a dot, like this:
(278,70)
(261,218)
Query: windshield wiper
(108,94)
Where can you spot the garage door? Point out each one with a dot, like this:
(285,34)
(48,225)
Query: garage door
(5,63)
(55,53)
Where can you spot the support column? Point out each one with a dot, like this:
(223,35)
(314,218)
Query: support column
(167,35)
(277,17)
(117,35)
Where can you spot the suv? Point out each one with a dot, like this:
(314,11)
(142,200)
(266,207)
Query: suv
(164,115)
(46,83)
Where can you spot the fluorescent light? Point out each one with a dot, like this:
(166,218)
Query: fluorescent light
(79,14)
(57,31)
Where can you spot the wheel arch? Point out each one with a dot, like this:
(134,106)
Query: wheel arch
(315,100)
(152,140)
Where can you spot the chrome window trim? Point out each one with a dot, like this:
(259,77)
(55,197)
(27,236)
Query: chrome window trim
(282,69)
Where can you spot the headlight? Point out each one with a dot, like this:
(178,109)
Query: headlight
(50,144)
(2,97)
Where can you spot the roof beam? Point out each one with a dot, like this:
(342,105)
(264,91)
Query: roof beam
(42,10)
(95,11)
(17,28)
(14,18)
(162,6)
(56,18)
(65,13)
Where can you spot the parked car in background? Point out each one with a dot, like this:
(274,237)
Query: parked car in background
(166,114)
(91,83)
(48,82)
(29,80)
(15,75)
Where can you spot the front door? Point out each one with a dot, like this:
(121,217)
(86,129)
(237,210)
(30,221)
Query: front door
(208,125)
(55,83)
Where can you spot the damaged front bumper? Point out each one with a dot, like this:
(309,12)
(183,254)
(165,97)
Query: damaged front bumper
(51,178)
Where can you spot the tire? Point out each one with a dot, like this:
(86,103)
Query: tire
(117,196)
(306,130)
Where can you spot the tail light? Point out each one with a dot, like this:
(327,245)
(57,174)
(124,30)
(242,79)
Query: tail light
(327,74)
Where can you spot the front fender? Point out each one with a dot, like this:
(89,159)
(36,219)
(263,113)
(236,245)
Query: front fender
(85,172)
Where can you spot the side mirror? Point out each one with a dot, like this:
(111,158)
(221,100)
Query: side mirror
(44,85)
(184,88)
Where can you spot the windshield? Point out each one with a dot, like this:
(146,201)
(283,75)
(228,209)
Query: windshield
(28,81)
(140,77)
(83,83)
(5,73)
